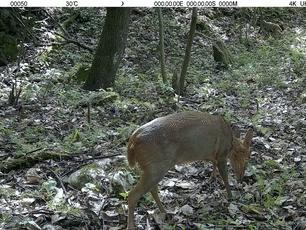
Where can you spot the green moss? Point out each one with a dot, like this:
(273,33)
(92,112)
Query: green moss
(271,164)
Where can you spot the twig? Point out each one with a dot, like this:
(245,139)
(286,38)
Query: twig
(100,157)
(15,93)
(103,157)
(52,44)
(24,26)
(211,39)
(39,211)
(57,23)
(227,226)
(66,35)
(88,112)
(35,150)
(69,40)
(59,180)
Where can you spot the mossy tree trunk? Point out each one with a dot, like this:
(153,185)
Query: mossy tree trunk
(188,50)
(161,45)
(12,30)
(221,54)
(110,49)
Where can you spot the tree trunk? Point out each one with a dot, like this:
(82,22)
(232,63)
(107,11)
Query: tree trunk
(110,49)
(188,50)
(161,45)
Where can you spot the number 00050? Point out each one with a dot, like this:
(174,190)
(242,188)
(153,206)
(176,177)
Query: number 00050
(18,3)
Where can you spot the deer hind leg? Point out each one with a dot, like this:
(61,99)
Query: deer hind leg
(154,193)
(148,182)
(213,176)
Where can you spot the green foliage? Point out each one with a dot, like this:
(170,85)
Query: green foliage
(65,208)
(229,116)
(69,96)
(100,98)
(227,86)
(69,144)
(79,73)
(244,95)
(273,189)
(263,64)
(252,226)
(7,192)
(257,120)
(5,217)
(271,164)
(29,92)
(27,141)
(77,139)
(203,27)
(48,189)
(298,60)
(124,132)
(144,92)
(75,136)
(82,74)
(147,200)
(124,195)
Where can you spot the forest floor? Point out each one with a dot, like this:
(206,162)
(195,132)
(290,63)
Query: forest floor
(48,135)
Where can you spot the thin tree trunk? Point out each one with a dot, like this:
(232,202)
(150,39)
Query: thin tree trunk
(161,45)
(110,49)
(188,50)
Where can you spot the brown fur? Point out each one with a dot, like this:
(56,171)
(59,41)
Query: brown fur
(131,154)
(179,138)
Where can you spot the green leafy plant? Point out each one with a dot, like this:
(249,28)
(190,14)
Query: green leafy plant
(298,60)
(273,190)
(271,164)
(48,189)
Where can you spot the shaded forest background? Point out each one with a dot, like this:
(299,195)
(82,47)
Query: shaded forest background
(62,148)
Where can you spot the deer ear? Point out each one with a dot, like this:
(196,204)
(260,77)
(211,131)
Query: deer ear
(236,145)
(248,137)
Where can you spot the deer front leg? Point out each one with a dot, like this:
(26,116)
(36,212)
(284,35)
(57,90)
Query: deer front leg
(222,168)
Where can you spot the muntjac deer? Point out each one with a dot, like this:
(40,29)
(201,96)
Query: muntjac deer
(179,138)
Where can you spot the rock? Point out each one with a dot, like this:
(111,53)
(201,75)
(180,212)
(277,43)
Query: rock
(88,174)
